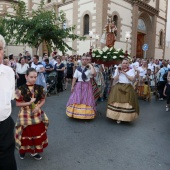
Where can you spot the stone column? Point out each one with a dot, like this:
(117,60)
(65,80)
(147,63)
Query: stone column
(153,38)
(164,38)
(75,22)
(157,4)
(134,29)
(105,15)
(99,21)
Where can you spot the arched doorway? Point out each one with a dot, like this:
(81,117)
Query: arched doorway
(140,38)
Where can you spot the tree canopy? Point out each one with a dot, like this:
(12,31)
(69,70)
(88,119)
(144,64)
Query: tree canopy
(39,26)
(2,27)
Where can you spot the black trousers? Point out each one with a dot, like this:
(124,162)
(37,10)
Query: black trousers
(168,99)
(21,81)
(161,86)
(60,83)
(7,145)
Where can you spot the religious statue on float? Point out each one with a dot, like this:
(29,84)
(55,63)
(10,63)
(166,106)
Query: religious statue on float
(109,35)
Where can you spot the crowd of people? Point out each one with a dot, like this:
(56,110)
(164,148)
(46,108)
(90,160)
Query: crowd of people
(152,76)
(90,84)
(149,73)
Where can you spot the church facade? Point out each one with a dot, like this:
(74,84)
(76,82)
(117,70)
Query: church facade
(145,20)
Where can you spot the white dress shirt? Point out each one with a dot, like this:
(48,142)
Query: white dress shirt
(7,91)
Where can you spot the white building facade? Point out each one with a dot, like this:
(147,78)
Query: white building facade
(144,19)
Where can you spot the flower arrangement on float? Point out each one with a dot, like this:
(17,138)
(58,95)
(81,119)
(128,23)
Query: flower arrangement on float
(109,54)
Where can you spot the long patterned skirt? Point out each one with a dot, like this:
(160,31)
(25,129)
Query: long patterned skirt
(122,103)
(31,131)
(81,104)
(34,139)
(96,90)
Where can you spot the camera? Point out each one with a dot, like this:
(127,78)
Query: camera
(88,66)
(119,68)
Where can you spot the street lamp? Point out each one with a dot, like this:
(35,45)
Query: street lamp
(90,35)
(127,37)
(96,38)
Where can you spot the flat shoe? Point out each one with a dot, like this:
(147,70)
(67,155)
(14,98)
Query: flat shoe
(36,156)
(118,121)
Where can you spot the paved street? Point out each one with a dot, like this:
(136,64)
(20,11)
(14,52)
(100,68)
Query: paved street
(101,144)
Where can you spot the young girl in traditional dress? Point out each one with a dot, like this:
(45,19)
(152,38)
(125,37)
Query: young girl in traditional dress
(32,122)
(81,104)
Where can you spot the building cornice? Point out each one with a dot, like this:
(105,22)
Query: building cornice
(162,18)
(10,1)
(144,6)
(66,3)
(51,5)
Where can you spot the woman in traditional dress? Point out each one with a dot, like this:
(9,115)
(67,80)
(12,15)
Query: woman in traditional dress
(122,101)
(32,122)
(81,104)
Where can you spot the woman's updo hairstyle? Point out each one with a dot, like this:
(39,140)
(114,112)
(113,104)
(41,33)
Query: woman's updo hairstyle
(30,70)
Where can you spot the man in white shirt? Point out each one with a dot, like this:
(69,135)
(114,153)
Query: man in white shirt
(7,90)
(54,56)
(152,64)
(38,66)
(168,66)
